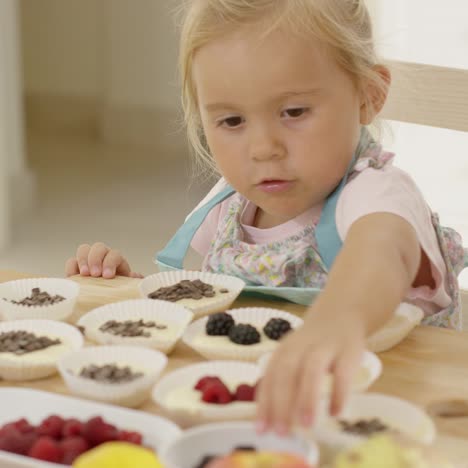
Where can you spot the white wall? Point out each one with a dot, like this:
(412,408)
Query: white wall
(121,51)
(62,43)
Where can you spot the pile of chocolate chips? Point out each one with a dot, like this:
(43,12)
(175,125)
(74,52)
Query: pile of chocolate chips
(22,342)
(186,289)
(130,328)
(364,427)
(110,373)
(38,298)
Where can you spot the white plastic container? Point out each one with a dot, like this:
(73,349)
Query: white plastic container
(220,439)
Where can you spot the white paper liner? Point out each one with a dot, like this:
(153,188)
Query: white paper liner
(31,366)
(407,317)
(399,415)
(131,394)
(230,372)
(221,438)
(204,306)
(19,289)
(257,316)
(371,368)
(161,312)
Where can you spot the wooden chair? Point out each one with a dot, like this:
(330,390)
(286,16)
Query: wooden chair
(429,95)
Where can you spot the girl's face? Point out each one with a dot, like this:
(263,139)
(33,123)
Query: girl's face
(281,118)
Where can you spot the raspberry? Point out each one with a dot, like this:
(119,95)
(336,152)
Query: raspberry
(73,447)
(72,427)
(219,324)
(244,334)
(245,392)
(96,431)
(47,449)
(200,385)
(23,426)
(276,328)
(132,437)
(52,427)
(12,440)
(217,393)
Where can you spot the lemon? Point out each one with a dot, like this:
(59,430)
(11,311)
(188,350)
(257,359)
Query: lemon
(118,455)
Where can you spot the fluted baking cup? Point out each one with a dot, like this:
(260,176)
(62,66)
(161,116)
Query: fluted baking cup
(400,416)
(204,306)
(216,347)
(406,317)
(190,409)
(163,313)
(41,363)
(368,373)
(19,289)
(148,361)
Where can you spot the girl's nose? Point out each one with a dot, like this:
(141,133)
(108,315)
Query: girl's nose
(265,144)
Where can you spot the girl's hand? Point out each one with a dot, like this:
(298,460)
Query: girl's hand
(98,260)
(292,386)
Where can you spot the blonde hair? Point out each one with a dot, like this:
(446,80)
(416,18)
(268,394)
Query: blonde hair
(344,26)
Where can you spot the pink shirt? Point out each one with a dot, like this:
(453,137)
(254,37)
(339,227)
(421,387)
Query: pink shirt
(388,190)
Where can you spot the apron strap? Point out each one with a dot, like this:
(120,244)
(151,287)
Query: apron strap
(173,255)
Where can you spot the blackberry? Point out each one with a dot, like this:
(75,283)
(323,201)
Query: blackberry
(244,334)
(219,324)
(276,328)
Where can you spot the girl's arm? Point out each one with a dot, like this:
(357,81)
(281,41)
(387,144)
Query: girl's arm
(377,265)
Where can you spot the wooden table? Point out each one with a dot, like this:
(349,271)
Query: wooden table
(429,366)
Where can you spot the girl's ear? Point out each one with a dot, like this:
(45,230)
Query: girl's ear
(374,94)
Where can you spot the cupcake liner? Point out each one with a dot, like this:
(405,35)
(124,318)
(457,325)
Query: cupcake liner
(407,317)
(187,450)
(257,316)
(33,366)
(204,306)
(19,289)
(163,312)
(401,417)
(230,372)
(130,394)
(370,370)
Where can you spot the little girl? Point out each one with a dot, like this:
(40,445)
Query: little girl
(278,96)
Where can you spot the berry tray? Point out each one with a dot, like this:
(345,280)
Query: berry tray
(34,405)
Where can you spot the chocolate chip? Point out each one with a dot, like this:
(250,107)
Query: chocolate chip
(185,289)
(22,342)
(364,427)
(38,298)
(109,373)
(130,328)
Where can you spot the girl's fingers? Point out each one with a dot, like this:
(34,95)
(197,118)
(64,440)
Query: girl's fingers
(283,390)
(263,396)
(344,370)
(313,374)
(114,263)
(82,254)
(96,256)
(71,267)
(133,274)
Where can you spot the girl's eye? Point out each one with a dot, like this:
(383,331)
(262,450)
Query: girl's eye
(295,112)
(231,122)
